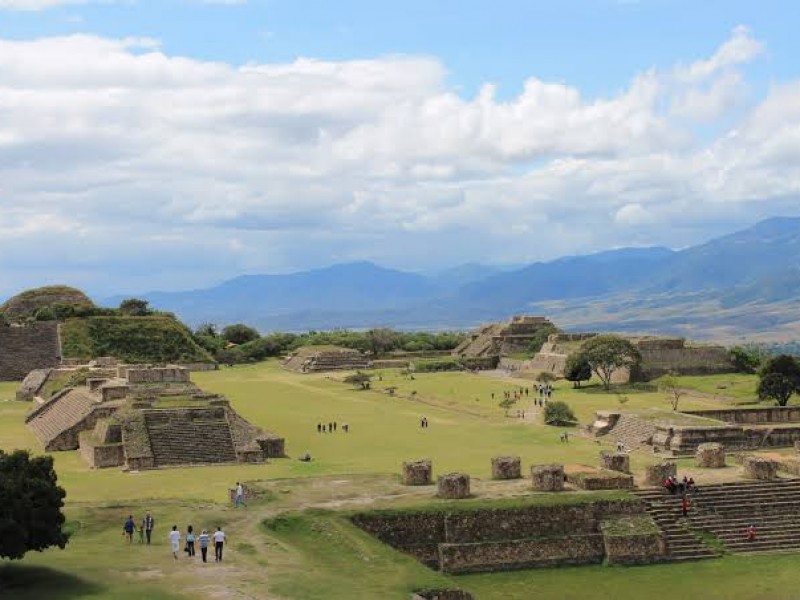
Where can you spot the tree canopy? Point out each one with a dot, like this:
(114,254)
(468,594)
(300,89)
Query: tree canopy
(135,307)
(559,413)
(30,505)
(609,353)
(239,333)
(780,378)
(577,369)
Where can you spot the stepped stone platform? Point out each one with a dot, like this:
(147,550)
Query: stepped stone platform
(118,420)
(501,338)
(317,359)
(726,510)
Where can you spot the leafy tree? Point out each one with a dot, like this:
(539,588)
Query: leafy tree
(135,307)
(359,379)
(559,413)
(785,365)
(239,333)
(545,377)
(206,330)
(670,385)
(609,353)
(775,386)
(506,403)
(577,369)
(45,313)
(748,358)
(381,340)
(30,505)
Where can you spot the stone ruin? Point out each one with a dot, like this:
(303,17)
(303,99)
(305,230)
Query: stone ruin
(141,417)
(615,461)
(710,456)
(759,467)
(453,486)
(506,467)
(317,359)
(658,473)
(499,339)
(417,472)
(547,478)
(24,348)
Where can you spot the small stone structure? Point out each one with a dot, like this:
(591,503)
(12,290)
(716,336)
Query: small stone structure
(615,461)
(710,456)
(502,338)
(453,486)
(797,447)
(506,467)
(599,479)
(633,540)
(417,472)
(315,359)
(758,467)
(547,478)
(658,473)
(24,348)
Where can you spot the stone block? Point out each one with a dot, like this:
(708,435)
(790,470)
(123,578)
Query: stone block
(547,478)
(797,447)
(417,472)
(615,461)
(757,467)
(657,474)
(453,486)
(506,467)
(710,456)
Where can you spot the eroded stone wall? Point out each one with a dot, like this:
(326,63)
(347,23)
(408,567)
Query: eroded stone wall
(28,347)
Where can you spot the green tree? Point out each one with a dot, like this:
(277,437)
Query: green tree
(135,307)
(785,365)
(748,358)
(506,403)
(577,369)
(30,505)
(559,413)
(775,386)
(545,377)
(609,353)
(670,385)
(381,340)
(239,333)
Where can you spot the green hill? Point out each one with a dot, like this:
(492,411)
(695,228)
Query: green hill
(45,303)
(158,338)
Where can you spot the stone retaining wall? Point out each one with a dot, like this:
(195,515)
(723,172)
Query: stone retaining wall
(28,347)
(751,416)
(684,440)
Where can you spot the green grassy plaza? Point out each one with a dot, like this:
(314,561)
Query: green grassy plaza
(294,540)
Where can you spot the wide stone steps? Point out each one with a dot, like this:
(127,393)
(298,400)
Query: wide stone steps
(191,441)
(632,431)
(65,412)
(726,510)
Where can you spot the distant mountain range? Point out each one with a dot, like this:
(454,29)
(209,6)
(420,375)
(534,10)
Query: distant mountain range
(743,284)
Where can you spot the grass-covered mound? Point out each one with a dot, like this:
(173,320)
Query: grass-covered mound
(44,301)
(156,339)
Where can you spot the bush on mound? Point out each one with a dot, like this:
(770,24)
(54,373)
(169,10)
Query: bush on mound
(559,413)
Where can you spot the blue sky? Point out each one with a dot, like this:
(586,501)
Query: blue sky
(214,139)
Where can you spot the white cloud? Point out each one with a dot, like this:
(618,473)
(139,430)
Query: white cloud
(35,5)
(287,165)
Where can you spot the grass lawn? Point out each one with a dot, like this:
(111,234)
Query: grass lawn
(317,553)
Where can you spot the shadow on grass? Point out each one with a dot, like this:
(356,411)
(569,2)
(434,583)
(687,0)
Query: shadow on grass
(22,582)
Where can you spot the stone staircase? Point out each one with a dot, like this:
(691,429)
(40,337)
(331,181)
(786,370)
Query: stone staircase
(632,431)
(61,413)
(773,508)
(181,437)
(682,542)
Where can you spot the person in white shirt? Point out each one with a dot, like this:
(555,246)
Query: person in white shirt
(239,495)
(219,541)
(175,539)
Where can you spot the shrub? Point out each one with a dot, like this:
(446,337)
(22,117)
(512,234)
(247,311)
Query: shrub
(559,413)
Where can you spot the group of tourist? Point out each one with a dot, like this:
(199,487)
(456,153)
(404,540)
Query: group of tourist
(145,529)
(201,540)
(686,486)
(332,427)
(148,523)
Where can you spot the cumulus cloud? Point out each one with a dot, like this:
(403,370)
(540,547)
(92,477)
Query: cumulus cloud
(34,5)
(273,166)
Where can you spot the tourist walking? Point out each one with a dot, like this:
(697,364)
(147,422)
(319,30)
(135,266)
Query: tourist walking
(750,532)
(239,501)
(219,542)
(203,541)
(128,528)
(685,506)
(190,541)
(175,541)
(149,523)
